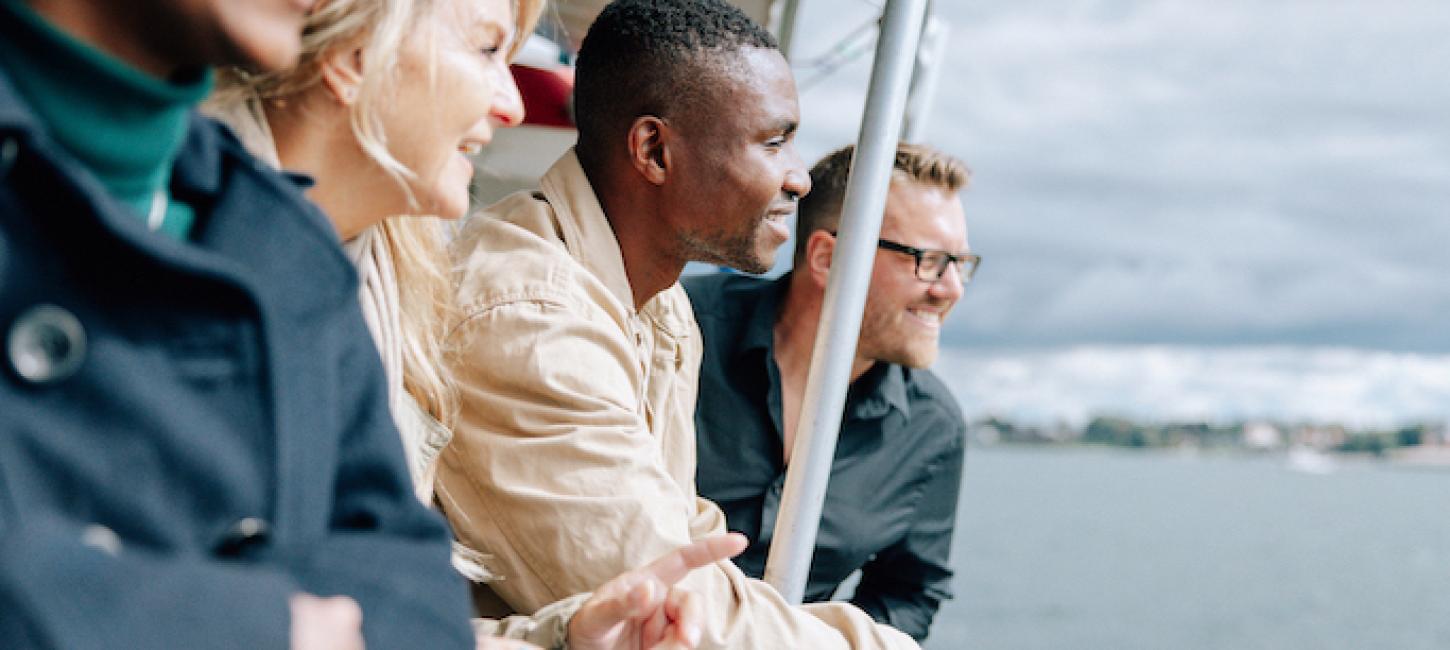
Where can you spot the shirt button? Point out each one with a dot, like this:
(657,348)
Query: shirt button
(46,344)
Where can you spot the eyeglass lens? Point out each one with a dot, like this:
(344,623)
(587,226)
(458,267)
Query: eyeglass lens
(931,266)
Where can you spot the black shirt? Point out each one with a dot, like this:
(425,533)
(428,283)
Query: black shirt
(891,504)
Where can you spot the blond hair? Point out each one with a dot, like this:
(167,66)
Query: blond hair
(917,163)
(416,243)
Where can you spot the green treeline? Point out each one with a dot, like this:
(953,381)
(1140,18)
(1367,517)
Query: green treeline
(1125,432)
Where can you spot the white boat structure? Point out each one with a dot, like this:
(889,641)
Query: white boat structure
(1308,460)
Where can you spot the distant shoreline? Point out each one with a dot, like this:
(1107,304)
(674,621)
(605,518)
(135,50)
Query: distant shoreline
(1426,445)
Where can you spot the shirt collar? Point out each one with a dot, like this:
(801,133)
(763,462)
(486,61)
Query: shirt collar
(759,331)
(872,395)
(882,388)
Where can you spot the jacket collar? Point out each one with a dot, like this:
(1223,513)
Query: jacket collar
(590,239)
(586,232)
(14,114)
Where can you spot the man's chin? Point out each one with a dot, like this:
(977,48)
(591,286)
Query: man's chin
(916,359)
(746,264)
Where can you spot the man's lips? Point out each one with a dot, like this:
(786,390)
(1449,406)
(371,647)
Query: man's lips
(927,316)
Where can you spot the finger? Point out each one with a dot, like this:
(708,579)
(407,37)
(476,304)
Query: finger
(610,607)
(687,615)
(334,622)
(496,643)
(671,644)
(676,565)
(656,628)
(643,598)
(342,611)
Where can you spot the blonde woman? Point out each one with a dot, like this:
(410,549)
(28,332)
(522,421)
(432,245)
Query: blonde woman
(387,100)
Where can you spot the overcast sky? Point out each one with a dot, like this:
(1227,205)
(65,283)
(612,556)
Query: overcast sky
(1194,172)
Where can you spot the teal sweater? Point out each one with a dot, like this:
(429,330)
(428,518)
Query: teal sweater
(122,124)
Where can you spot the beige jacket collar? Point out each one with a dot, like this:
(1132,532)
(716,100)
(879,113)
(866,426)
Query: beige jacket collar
(589,238)
(585,230)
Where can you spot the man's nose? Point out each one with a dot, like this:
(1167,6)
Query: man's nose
(949,286)
(797,177)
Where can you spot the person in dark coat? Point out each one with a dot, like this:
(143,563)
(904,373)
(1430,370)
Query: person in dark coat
(195,444)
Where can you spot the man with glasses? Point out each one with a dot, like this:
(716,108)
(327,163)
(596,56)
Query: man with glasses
(890,508)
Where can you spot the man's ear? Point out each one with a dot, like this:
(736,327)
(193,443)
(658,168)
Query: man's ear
(820,246)
(649,150)
(342,74)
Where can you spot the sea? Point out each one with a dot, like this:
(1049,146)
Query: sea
(1073,547)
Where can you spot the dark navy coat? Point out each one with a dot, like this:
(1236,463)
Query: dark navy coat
(192,431)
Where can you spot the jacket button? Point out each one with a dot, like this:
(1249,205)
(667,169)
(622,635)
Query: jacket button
(243,533)
(46,344)
(102,539)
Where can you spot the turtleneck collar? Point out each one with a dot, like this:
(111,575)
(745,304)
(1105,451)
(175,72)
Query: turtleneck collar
(124,125)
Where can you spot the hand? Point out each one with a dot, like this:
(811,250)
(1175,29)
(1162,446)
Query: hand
(642,609)
(496,643)
(325,623)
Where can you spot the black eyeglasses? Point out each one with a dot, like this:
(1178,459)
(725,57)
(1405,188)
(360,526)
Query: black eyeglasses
(932,265)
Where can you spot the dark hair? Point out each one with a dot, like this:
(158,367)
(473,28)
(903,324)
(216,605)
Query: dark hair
(654,57)
(917,163)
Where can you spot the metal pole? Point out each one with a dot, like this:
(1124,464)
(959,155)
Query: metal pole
(786,34)
(924,82)
(840,326)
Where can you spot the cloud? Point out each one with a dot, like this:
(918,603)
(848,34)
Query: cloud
(1183,383)
(1189,172)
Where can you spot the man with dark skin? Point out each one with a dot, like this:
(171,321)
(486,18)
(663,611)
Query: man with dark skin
(578,355)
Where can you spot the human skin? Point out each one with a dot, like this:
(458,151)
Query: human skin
(739,166)
(451,91)
(160,36)
(707,186)
(903,316)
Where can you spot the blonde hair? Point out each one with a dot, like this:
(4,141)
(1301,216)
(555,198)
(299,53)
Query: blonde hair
(918,163)
(416,243)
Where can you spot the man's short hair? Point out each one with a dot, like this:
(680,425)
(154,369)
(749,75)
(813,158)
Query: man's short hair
(655,57)
(917,163)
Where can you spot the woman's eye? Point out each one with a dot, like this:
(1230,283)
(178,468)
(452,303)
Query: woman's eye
(490,51)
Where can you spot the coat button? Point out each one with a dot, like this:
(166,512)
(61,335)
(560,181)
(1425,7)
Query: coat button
(102,539)
(243,533)
(46,344)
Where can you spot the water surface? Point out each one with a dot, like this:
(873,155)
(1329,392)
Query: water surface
(1095,548)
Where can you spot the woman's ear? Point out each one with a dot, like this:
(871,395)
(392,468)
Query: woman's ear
(649,150)
(342,74)
(820,246)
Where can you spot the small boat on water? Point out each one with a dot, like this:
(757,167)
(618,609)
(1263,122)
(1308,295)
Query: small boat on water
(1308,460)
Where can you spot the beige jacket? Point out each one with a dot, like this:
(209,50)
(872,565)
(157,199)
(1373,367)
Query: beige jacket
(574,456)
